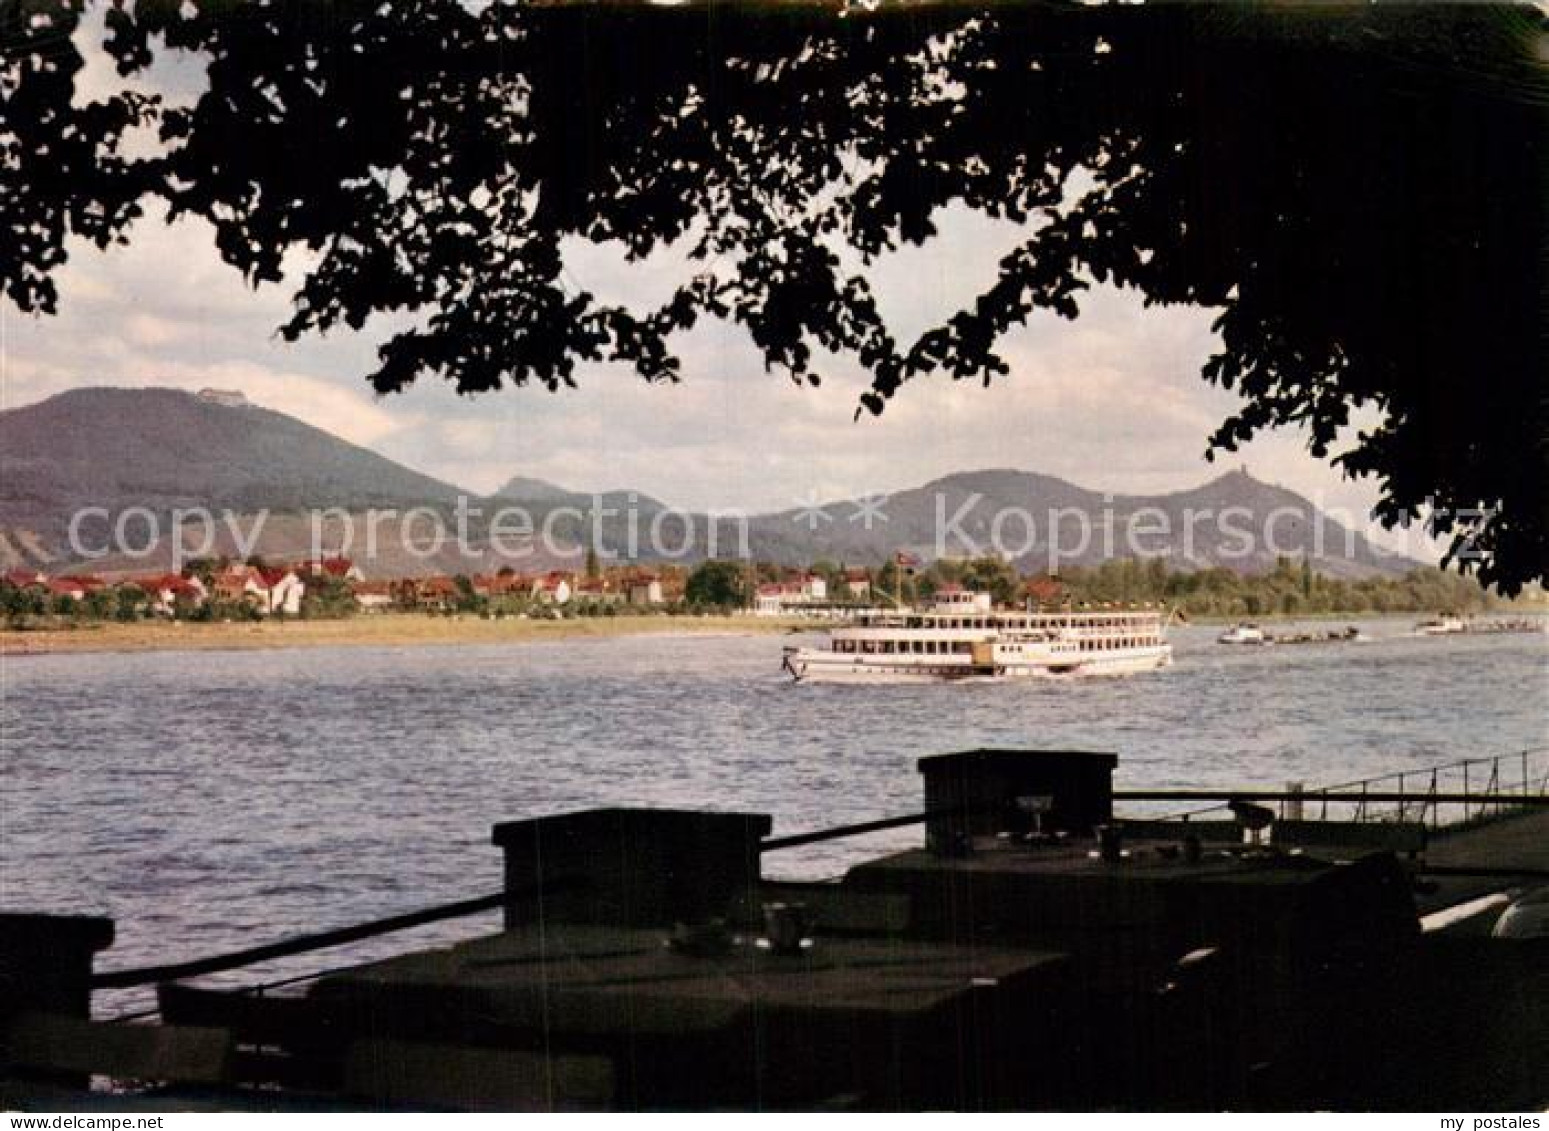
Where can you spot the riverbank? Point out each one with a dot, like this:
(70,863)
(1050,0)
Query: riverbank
(413,629)
(1523,611)
(387,630)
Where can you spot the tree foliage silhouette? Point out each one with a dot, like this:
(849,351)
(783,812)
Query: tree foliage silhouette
(1359,193)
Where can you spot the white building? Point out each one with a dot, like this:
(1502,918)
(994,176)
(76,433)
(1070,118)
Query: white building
(226,398)
(790,597)
(858,582)
(283,591)
(646,589)
(553,588)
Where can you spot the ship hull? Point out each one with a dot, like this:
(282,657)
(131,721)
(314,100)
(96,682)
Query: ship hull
(816,666)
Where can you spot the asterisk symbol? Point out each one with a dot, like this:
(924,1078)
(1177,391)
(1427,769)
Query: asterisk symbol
(868,509)
(810,510)
(1473,520)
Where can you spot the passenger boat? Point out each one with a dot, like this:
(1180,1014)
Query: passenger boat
(961,637)
(1244,634)
(1445,625)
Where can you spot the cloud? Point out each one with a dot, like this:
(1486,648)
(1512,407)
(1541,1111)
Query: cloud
(150,331)
(129,319)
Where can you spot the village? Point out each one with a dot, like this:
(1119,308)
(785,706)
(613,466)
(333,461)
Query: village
(337,586)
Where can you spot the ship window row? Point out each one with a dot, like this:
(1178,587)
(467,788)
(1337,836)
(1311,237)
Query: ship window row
(1107,643)
(904,647)
(963,647)
(1022,623)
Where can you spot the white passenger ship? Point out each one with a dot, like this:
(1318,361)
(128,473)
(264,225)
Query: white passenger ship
(962,637)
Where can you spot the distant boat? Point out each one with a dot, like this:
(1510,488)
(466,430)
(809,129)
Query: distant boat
(1444,625)
(1244,633)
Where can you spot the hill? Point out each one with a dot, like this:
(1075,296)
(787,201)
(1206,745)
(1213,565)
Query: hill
(1233,521)
(540,496)
(162,449)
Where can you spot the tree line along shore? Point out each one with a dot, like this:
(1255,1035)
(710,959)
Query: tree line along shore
(220,593)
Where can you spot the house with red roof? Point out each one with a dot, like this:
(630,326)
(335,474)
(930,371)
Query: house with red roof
(270,589)
(338,568)
(769,599)
(642,587)
(553,588)
(240,583)
(793,595)
(281,589)
(373,596)
(502,585)
(65,587)
(673,581)
(166,591)
(814,587)
(439,592)
(597,590)
(1044,590)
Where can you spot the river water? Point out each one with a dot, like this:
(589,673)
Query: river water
(209,801)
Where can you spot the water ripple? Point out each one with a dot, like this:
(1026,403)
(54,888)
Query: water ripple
(210,802)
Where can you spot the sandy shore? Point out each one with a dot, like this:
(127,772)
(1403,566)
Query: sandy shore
(388,630)
(409,629)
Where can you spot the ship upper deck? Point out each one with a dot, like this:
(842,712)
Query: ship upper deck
(1010,620)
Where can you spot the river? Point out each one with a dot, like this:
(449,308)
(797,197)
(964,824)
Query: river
(209,801)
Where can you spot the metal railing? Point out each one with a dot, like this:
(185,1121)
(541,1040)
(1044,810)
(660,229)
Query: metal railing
(149,977)
(1426,795)
(1447,794)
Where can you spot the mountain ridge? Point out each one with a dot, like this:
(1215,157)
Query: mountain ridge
(160,449)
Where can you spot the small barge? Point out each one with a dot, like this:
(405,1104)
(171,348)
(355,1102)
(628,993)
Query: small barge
(1452,625)
(1252,634)
(1245,634)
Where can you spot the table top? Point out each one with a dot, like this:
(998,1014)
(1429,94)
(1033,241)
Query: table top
(591,979)
(1143,862)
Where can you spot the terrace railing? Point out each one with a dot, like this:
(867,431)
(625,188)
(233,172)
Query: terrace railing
(1444,795)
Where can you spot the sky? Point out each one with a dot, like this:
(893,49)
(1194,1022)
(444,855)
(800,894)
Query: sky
(1112,401)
